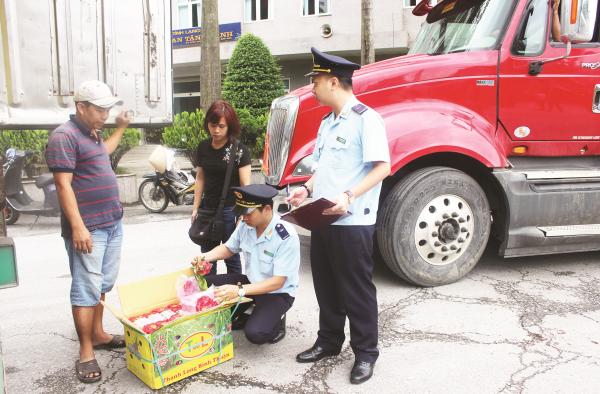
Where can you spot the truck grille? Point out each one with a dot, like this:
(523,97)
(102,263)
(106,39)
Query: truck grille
(279,136)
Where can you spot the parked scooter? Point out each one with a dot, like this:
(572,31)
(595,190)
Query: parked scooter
(17,200)
(167,183)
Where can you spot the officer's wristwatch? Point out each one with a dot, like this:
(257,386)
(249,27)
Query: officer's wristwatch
(307,189)
(350,196)
(241,291)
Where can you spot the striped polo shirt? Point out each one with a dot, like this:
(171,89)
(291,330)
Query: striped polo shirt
(71,148)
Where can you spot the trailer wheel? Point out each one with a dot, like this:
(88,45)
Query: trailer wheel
(434,226)
(10,215)
(153,197)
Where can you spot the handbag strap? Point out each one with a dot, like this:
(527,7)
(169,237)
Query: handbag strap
(232,157)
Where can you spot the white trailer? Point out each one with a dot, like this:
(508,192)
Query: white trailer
(47,48)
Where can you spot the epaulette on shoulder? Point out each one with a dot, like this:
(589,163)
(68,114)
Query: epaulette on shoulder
(281,231)
(327,116)
(360,108)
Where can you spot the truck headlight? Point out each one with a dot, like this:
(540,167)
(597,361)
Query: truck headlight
(306,166)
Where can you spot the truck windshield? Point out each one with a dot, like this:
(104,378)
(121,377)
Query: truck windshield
(463,25)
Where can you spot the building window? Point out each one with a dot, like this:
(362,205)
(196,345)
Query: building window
(286,85)
(186,96)
(256,10)
(413,3)
(189,14)
(316,7)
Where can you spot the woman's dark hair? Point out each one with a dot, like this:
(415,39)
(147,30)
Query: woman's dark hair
(222,109)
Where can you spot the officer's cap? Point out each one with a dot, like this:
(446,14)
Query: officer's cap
(331,64)
(250,197)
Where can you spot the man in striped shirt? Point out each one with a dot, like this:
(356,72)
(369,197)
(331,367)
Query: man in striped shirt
(91,215)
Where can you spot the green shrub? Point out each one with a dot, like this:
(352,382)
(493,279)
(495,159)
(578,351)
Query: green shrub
(253,78)
(32,140)
(186,133)
(131,138)
(36,141)
(252,130)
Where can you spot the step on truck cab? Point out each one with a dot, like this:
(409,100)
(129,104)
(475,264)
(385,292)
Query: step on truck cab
(493,124)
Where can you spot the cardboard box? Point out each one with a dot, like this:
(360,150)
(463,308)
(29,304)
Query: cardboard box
(177,350)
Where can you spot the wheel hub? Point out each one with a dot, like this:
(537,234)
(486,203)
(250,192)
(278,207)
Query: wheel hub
(156,194)
(444,229)
(449,231)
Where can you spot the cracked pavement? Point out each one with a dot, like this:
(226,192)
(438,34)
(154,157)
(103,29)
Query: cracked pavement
(526,325)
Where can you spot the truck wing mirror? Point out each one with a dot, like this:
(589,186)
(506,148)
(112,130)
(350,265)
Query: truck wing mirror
(577,20)
(577,23)
(422,8)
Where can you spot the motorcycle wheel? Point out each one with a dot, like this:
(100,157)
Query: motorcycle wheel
(10,215)
(153,197)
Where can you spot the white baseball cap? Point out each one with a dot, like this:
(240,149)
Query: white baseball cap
(97,93)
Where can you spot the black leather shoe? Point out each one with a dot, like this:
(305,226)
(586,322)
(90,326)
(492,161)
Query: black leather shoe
(239,322)
(314,354)
(281,334)
(361,372)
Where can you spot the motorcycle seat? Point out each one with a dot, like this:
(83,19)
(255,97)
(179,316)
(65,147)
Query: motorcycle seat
(44,180)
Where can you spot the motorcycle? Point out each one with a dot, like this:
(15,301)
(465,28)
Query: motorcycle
(166,184)
(17,200)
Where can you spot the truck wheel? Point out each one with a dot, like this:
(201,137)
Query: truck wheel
(434,226)
(10,215)
(153,197)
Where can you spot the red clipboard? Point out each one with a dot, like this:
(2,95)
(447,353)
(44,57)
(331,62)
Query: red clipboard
(310,216)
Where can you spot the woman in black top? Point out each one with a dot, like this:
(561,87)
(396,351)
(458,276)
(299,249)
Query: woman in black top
(212,157)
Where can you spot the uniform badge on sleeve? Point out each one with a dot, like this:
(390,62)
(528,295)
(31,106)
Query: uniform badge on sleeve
(281,231)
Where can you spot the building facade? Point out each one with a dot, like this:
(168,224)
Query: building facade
(289,28)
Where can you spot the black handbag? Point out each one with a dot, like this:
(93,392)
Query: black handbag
(209,225)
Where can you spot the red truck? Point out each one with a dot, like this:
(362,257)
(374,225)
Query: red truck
(493,125)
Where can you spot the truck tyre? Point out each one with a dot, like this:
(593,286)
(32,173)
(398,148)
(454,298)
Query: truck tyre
(10,215)
(153,197)
(434,226)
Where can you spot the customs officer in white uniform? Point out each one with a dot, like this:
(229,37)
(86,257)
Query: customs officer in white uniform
(271,252)
(353,158)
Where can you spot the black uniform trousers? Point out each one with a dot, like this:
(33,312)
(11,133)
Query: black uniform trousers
(342,270)
(264,323)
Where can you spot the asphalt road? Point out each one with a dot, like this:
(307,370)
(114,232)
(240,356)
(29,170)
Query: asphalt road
(523,325)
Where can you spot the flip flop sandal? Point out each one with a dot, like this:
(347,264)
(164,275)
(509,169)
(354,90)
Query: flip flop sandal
(86,370)
(117,342)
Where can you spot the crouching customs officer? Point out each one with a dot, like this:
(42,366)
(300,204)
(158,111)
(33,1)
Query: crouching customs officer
(353,158)
(271,251)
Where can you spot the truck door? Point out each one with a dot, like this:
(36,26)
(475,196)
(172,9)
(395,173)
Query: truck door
(558,103)
(47,48)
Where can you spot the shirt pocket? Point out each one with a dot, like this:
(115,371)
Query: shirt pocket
(266,265)
(341,155)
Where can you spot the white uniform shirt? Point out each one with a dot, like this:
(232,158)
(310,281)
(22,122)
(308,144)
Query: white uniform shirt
(345,150)
(275,253)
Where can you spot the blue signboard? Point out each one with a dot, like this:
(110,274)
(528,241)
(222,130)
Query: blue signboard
(188,37)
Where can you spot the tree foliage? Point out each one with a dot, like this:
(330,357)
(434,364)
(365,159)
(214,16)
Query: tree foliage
(186,132)
(253,78)
(252,130)
(131,138)
(36,141)
(32,140)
